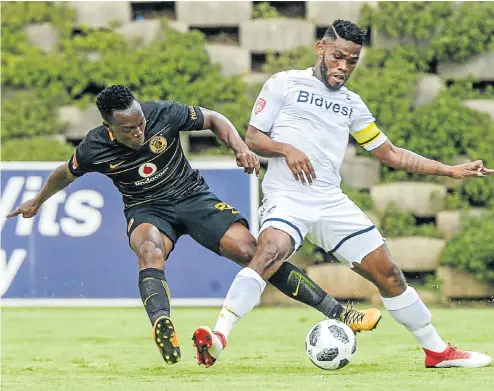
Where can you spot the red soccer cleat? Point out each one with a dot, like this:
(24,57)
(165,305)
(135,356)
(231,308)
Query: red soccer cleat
(453,357)
(209,345)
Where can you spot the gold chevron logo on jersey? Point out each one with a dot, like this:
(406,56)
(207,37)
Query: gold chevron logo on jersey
(157,144)
(112,166)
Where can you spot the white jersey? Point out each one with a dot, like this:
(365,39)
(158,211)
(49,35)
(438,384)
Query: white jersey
(295,107)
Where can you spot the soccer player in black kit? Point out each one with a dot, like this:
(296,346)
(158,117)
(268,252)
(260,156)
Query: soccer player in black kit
(138,147)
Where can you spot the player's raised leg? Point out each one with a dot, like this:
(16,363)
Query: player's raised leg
(273,248)
(406,307)
(152,248)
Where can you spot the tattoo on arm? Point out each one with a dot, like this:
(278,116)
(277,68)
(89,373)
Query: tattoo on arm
(411,162)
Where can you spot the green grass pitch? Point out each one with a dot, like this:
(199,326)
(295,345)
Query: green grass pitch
(112,349)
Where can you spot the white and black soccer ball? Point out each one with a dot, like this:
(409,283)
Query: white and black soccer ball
(330,344)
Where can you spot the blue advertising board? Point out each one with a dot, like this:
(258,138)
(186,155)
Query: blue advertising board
(76,252)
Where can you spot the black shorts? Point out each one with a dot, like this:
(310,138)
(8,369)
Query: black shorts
(202,215)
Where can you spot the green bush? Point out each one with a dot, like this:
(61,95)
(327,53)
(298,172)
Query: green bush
(396,223)
(177,68)
(417,20)
(17,15)
(264,10)
(449,32)
(464,89)
(36,149)
(472,249)
(30,113)
(444,130)
(455,201)
(468,31)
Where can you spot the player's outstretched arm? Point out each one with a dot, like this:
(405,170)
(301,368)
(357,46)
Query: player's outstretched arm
(226,132)
(58,180)
(409,161)
(297,161)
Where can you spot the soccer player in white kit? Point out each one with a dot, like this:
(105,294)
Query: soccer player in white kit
(301,121)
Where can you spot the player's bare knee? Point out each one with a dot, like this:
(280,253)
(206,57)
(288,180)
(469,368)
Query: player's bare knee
(247,251)
(392,280)
(271,250)
(150,255)
(268,258)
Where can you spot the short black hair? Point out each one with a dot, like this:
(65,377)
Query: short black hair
(114,98)
(346,30)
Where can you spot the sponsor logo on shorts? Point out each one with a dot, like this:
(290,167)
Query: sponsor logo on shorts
(129,226)
(157,144)
(193,114)
(260,104)
(225,206)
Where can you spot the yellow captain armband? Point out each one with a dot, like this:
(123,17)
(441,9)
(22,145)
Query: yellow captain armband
(367,135)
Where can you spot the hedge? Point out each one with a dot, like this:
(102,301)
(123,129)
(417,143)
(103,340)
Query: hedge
(472,249)
(16,15)
(36,149)
(396,223)
(416,20)
(451,31)
(264,10)
(176,68)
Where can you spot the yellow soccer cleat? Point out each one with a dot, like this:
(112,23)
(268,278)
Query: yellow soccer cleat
(357,320)
(166,339)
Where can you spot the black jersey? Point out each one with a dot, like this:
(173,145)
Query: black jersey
(158,169)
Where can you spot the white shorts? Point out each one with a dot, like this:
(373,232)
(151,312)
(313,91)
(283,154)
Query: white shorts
(331,220)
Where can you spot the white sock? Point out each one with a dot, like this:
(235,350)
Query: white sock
(409,310)
(244,294)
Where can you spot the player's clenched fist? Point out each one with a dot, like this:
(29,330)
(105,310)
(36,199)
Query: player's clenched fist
(27,209)
(475,169)
(299,164)
(248,160)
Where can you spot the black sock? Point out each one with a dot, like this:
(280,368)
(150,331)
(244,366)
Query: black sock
(294,283)
(155,294)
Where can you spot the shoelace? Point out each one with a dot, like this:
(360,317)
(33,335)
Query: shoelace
(352,315)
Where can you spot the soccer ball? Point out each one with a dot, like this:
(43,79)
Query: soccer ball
(330,344)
